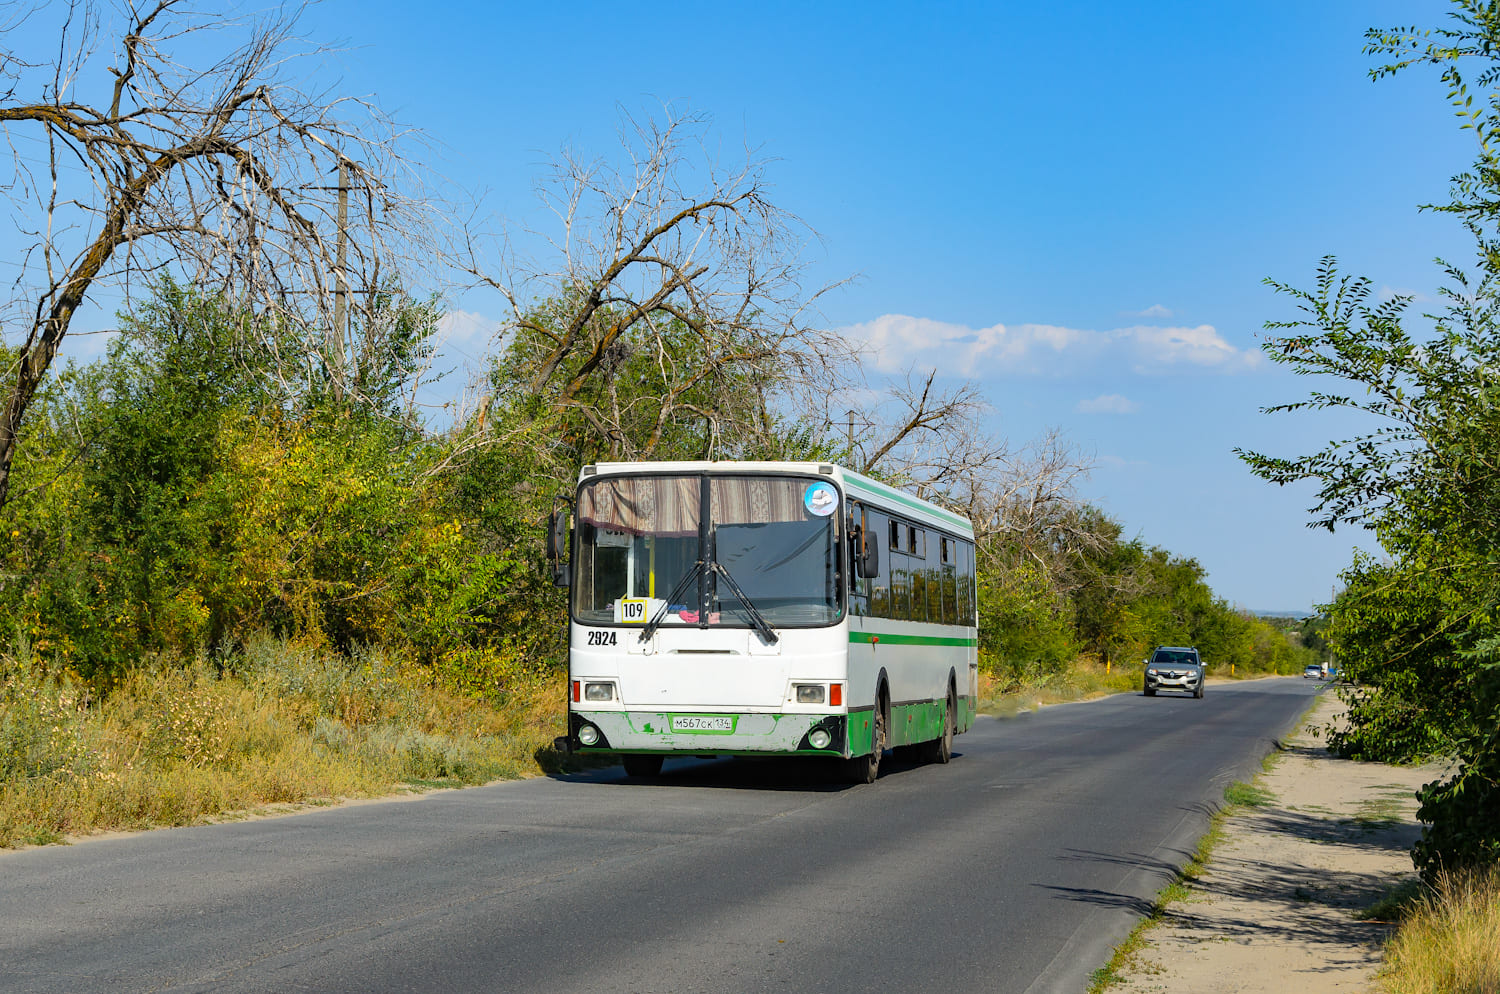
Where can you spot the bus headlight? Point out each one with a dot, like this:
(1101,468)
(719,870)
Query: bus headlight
(809,693)
(588,735)
(819,738)
(598,691)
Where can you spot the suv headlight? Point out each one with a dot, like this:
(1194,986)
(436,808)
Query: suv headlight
(1152,671)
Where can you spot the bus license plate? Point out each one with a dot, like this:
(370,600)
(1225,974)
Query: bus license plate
(721,723)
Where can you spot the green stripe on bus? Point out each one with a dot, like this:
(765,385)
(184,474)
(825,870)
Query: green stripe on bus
(863,638)
(912,502)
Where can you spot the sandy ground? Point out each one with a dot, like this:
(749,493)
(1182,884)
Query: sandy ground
(1275,909)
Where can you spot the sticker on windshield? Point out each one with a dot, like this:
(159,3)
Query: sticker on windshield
(631,610)
(821,499)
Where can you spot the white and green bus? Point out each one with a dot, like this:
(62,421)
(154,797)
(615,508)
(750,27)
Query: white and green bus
(764,608)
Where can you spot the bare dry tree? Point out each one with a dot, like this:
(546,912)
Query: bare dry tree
(1029,501)
(227,172)
(1022,500)
(927,438)
(667,258)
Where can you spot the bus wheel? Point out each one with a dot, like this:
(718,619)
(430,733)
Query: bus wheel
(940,749)
(642,767)
(864,769)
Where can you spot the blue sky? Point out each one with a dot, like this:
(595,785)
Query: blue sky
(1096,189)
(1075,204)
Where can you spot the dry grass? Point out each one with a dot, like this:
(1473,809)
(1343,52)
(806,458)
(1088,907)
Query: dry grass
(1449,941)
(1083,681)
(275,724)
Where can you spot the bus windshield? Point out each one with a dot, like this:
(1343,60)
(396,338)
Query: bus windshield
(639,539)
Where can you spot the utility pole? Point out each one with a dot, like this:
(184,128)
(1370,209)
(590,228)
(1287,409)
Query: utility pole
(341,286)
(849,425)
(336,342)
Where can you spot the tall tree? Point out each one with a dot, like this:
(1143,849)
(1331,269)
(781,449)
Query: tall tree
(1422,632)
(227,172)
(675,295)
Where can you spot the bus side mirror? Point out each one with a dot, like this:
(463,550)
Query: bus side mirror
(557,546)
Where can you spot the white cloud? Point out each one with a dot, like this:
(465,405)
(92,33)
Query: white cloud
(1201,346)
(1154,311)
(1110,403)
(1417,297)
(1119,462)
(467,333)
(896,341)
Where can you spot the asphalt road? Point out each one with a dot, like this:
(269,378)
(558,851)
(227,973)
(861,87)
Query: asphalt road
(1015,868)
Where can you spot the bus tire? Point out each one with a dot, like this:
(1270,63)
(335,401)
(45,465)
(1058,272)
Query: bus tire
(642,767)
(940,749)
(865,769)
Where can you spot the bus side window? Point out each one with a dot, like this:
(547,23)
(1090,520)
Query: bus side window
(900,587)
(949,581)
(930,583)
(880,585)
(973,567)
(934,581)
(921,589)
(965,583)
(899,605)
(918,589)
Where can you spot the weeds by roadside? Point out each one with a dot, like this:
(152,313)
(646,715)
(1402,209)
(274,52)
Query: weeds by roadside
(1079,682)
(1449,939)
(176,743)
(1248,795)
(1395,904)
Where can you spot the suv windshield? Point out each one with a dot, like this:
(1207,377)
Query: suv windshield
(639,539)
(1176,657)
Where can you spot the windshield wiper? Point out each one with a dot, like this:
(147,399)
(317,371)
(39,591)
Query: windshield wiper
(756,618)
(672,598)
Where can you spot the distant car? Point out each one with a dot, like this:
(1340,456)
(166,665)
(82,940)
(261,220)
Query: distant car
(1174,667)
(1312,670)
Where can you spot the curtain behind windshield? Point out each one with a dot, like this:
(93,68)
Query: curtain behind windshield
(637,540)
(644,505)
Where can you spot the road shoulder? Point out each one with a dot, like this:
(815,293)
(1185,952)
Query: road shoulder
(1275,908)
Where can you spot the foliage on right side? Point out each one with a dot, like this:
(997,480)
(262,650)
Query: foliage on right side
(1419,630)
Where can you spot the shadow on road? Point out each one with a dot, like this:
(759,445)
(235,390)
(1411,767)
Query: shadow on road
(738,773)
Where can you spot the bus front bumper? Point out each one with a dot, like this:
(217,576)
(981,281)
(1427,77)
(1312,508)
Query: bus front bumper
(703,733)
